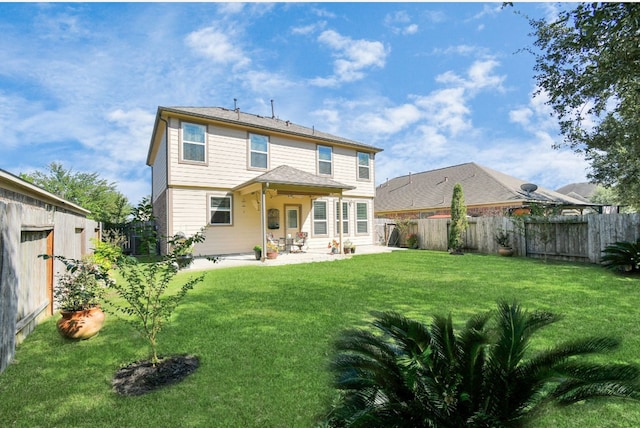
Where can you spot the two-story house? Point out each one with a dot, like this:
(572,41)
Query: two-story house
(244,177)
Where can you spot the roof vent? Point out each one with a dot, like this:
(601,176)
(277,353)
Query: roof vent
(529,187)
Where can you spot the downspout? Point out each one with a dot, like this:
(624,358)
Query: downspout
(263,222)
(166,211)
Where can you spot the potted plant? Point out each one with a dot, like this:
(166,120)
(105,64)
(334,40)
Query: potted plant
(272,250)
(257,250)
(412,241)
(182,247)
(334,246)
(78,294)
(347,246)
(504,243)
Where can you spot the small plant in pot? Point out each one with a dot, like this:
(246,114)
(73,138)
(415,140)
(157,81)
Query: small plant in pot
(257,250)
(504,243)
(347,247)
(78,294)
(272,250)
(182,248)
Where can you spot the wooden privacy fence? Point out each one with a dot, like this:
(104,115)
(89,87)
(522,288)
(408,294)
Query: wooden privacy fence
(574,238)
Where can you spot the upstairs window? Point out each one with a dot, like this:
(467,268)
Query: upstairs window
(363,166)
(258,151)
(325,160)
(220,210)
(193,142)
(345,218)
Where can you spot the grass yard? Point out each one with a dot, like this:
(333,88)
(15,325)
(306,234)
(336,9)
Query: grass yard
(264,337)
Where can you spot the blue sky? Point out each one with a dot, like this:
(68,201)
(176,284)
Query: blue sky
(433,84)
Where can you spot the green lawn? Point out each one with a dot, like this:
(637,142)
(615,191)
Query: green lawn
(263,335)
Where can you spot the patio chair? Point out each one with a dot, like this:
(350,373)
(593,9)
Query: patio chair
(300,240)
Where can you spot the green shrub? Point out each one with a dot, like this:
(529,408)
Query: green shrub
(410,374)
(622,256)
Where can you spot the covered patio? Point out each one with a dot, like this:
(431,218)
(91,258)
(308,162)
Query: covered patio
(289,182)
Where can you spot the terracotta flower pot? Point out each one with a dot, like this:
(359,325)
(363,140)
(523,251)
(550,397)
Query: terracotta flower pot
(272,255)
(505,251)
(81,324)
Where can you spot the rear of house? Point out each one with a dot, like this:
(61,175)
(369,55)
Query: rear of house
(241,177)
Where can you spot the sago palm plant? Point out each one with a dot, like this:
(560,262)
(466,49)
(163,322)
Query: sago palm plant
(410,375)
(622,256)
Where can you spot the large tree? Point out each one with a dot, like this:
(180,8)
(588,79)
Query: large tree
(85,189)
(589,66)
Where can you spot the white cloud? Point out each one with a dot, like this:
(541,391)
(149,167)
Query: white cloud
(309,29)
(217,45)
(353,57)
(479,76)
(400,23)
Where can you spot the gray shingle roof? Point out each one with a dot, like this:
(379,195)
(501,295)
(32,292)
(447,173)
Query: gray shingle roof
(287,175)
(481,185)
(584,190)
(237,117)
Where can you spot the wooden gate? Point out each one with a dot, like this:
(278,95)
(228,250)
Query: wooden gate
(35,292)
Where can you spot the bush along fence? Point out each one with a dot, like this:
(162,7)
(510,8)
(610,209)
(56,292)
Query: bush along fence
(571,238)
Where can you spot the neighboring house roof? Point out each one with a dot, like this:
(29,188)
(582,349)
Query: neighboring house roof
(480,185)
(238,118)
(582,191)
(18,185)
(287,178)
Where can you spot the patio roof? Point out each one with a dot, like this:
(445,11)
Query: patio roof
(286,180)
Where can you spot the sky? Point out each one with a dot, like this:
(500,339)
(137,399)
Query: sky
(432,84)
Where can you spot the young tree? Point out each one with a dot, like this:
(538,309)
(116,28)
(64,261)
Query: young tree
(458,219)
(588,67)
(85,189)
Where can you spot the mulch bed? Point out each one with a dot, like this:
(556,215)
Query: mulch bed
(141,377)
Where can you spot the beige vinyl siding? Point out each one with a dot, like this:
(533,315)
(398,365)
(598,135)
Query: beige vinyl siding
(190,214)
(227,153)
(159,176)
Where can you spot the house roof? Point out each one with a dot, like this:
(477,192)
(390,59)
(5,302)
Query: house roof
(286,179)
(18,185)
(253,121)
(582,191)
(481,186)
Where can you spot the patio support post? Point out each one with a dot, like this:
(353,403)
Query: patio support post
(340,221)
(263,222)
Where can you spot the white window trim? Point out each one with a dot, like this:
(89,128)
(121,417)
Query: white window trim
(183,142)
(358,221)
(209,210)
(257,151)
(345,218)
(358,166)
(325,220)
(330,162)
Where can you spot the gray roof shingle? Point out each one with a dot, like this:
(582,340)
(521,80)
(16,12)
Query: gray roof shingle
(481,185)
(287,175)
(237,117)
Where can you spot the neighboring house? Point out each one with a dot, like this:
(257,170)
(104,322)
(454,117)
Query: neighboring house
(487,193)
(243,177)
(584,191)
(33,222)
(580,191)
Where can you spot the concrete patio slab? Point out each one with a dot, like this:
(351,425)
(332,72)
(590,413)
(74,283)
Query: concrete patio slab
(309,256)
